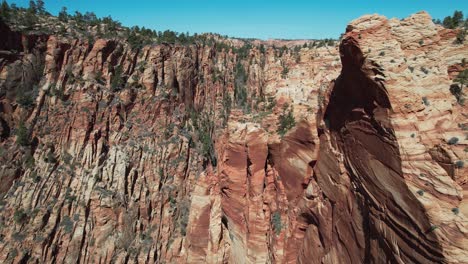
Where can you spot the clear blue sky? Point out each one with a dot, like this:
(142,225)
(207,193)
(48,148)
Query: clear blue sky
(291,19)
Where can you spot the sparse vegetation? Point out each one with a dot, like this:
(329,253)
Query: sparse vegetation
(284,72)
(456,91)
(63,15)
(4,11)
(18,236)
(425,101)
(204,126)
(453,141)
(457,88)
(22,135)
(455,210)
(50,157)
(20,216)
(424,69)
(117,82)
(67,224)
(29,161)
(88,25)
(240,89)
(271,103)
(25,99)
(462,78)
(276,222)
(227,104)
(322,43)
(286,121)
(461,35)
(98,77)
(184,212)
(157,115)
(432,228)
(459,164)
(127,235)
(453,21)
(36,178)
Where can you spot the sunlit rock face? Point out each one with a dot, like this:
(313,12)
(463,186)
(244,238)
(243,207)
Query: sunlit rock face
(137,156)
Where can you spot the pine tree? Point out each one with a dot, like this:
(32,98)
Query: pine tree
(286,121)
(40,7)
(457,18)
(462,78)
(22,137)
(32,7)
(30,19)
(4,11)
(453,21)
(63,15)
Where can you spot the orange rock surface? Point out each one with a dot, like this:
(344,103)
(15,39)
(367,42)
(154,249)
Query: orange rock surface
(125,173)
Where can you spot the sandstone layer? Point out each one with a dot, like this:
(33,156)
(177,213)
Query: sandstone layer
(368,173)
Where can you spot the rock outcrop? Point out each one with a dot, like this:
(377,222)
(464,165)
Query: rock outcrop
(139,156)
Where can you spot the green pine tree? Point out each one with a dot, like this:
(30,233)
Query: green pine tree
(40,7)
(63,15)
(5,11)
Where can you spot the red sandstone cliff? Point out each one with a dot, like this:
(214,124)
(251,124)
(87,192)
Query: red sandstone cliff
(119,175)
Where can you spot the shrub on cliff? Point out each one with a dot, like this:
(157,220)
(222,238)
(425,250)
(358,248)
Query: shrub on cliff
(204,126)
(286,121)
(453,141)
(25,99)
(262,49)
(206,140)
(243,52)
(50,157)
(456,91)
(30,20)
(457,88)
(462,78)
(22,135)
(276,222)
(67,224)
(425,101)
(424,70)
(461,36)
(284,72)
(240,90)
(20,216)
(117,82)
(227,103)
(184,213)
(98,77)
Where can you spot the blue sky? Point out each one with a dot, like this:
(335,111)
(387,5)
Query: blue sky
(292,19)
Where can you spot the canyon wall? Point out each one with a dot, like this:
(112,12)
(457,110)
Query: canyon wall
(144,156)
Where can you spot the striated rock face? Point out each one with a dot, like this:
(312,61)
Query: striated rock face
(138,156)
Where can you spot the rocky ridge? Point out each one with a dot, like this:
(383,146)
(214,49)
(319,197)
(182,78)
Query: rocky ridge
(143,156)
